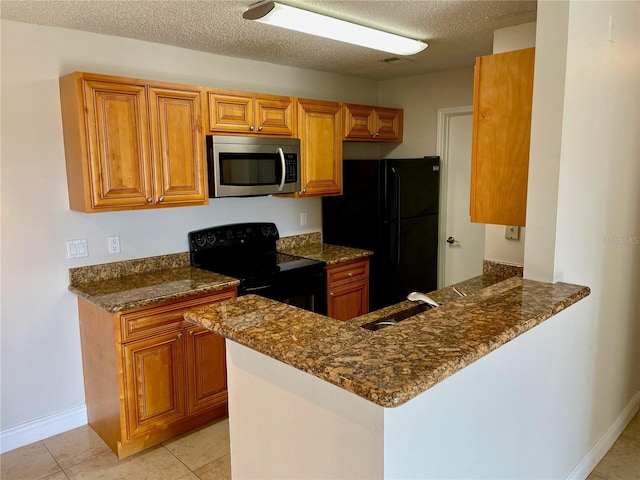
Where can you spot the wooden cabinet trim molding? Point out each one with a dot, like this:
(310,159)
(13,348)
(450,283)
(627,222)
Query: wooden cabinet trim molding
(319,129)
(247,113)
(124,151)
(368,123)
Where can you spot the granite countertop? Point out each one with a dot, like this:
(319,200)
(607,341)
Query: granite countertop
(142,289)
(137,283)
(325,252)
(391,366)
(443,295)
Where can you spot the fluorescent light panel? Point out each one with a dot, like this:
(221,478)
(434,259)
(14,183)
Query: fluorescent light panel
(292,18)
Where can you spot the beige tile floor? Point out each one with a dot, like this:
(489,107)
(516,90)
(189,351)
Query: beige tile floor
(204,454)
(622,461)
(80,454)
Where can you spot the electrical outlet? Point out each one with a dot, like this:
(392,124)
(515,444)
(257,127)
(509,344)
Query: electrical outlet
(114,245)
(303,218)
(511,232)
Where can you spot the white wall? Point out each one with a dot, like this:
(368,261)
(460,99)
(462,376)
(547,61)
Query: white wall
(421,96)
(315,429)
(593,169)
(546,140)
(41,363)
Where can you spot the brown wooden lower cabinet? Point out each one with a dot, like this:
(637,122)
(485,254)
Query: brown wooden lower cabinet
(348,289)
(150,375)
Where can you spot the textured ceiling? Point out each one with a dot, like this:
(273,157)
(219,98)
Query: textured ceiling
(456,30)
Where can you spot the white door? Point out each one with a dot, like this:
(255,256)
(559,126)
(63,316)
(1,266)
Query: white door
(461,249)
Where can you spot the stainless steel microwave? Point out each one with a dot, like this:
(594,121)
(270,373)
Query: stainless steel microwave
(251,166)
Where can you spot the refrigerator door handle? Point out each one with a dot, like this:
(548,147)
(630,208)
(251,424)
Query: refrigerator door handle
(397,180)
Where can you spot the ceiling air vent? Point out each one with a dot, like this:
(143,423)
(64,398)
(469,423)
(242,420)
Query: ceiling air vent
(396,61)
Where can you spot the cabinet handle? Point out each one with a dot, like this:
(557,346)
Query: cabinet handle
(149,200)
(350,274)
(161,199)
(371,134)
(251,128)
(180,335)
(260,128)
(331,294)
(191,332)
(377,134)
(304,190)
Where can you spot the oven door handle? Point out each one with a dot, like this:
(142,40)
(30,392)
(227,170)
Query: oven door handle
(281,153)
(258,288)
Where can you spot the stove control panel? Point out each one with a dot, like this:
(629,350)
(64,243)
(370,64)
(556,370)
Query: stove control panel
(238,234)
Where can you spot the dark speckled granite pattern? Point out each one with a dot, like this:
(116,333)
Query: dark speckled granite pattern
(444,295)
(104,271)
(391,366)
(297,337)
(325,252)
(136,283)
(152,287)
(499,269)
(298,240)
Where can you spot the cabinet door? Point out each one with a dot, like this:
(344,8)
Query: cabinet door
(231,113)
(389,124)
(319,127)
(154,383)
(348,301)
(348,289)
(503,91)
(178,146)
(119,152)
(358,122)
(206,370)
(275,116)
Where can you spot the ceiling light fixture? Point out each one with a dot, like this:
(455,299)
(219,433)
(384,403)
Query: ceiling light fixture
(292,18)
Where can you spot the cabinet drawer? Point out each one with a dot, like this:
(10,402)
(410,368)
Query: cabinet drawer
(165,318)
(347,272)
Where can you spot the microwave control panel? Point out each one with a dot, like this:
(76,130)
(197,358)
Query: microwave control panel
(291,168)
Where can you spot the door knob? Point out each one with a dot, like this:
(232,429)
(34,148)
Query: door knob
(452,240)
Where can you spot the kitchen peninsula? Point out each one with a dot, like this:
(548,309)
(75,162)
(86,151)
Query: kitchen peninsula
(311,397)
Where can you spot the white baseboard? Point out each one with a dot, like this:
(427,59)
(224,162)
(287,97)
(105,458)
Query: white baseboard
(42,428)
(602,446)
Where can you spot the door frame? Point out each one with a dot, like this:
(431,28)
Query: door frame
(444,118)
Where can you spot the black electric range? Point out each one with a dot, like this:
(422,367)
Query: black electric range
(247,252)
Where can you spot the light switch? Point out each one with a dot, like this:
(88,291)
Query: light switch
(77,248)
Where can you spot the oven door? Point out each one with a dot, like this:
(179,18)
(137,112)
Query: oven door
(248,168)
(307,292)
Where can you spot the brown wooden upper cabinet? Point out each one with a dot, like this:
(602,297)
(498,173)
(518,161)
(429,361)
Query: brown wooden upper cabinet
(131,143)
(319,129)
(250,113)
(367,123)
(503,91)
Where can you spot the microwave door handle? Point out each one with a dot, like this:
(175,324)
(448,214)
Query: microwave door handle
(281,186)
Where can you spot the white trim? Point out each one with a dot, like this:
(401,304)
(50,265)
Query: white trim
(42,428)
(602,446)
(444,117)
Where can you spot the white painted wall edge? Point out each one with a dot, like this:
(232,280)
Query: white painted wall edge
(42,428)
(602,446)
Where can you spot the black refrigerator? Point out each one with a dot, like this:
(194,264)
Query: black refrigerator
(390,207)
